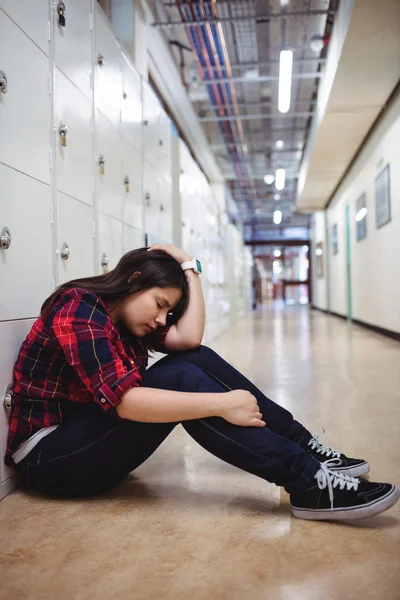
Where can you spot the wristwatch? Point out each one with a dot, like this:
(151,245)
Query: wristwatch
(194,264)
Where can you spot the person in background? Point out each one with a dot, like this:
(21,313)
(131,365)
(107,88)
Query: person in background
(87,411)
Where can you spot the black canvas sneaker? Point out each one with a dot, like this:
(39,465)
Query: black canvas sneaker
(338,497)
(354,467)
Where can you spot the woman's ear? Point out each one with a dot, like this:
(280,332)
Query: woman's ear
(134,276)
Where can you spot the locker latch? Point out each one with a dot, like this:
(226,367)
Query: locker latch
(5,238)
(65,252)
(124,95)
(61,13)
(126,183)
(3,82)
(63,130)
(100,60)
(104,262)
(8,399)
(102,162)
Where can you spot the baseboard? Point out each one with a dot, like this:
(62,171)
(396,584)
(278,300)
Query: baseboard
(9,485)
(386,332)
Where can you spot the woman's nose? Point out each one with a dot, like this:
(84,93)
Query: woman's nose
(161,319)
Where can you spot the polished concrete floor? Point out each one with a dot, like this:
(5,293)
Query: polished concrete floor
(186,525)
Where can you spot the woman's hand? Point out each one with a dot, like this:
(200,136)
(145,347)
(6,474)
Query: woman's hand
(240,408)
(179,255)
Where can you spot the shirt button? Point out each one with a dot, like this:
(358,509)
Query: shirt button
(103,400)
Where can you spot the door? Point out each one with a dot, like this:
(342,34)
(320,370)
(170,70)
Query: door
(348,263)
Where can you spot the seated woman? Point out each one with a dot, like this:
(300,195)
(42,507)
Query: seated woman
(87,411)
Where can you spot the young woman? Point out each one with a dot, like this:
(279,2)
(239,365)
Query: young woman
(87,411)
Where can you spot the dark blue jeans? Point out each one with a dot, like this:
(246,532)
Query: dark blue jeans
(91,451)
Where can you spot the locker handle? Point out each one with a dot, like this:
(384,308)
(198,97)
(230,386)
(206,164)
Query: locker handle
(160,142)
(3,82)
(61,13)
(5,238)
(65,252)
(8,399)
(100,60)
(104,262)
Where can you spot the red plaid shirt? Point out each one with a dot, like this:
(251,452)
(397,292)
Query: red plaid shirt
(74,356)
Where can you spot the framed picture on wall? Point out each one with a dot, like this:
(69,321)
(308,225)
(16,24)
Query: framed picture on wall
(382,197)
(361,217)
(335,239)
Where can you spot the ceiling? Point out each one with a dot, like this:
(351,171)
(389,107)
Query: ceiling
(239,115)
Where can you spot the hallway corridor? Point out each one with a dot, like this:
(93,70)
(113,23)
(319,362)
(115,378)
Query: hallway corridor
(186,525)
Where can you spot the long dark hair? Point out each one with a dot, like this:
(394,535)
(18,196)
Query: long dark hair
(136,271)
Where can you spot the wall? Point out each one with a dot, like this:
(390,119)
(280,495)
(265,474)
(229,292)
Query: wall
(320,295)
(375,274)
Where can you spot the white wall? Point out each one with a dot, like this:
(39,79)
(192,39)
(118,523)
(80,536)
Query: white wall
(375,272)
(320,287)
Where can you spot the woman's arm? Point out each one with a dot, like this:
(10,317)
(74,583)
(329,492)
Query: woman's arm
(188,332)
(151,405)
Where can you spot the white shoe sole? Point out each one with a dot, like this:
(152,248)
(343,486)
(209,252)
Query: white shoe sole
(356,471)
(349,513)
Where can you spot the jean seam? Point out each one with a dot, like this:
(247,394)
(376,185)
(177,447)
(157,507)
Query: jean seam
(53,460)
(249,449)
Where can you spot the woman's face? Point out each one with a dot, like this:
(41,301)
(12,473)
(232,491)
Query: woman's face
(144,311)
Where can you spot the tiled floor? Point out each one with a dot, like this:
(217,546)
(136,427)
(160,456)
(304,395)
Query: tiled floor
(186,525)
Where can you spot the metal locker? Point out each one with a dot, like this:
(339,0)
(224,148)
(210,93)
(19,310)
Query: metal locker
(74,140)
(108,166)
(164,145)
(110,242)
(25,247)
(12,334)
(133,238)
(107,70)
(32,22)
(151,138)
(73,42)
(133,187)
(24,103)
(75,252)
(131,106)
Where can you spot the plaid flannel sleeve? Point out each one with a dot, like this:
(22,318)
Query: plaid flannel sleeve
(92,346)
(156,339)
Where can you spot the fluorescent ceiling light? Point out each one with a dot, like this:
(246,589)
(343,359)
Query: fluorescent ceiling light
(277,196)
(361,214)
(285,80)
(280,144)
(277,253)
(277,217)
(284,2)
(269,179)
(318,252)
(280,179)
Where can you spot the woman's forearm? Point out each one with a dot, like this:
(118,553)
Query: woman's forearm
(152,405)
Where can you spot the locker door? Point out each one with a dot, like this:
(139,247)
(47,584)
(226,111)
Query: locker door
(12,334)
(164,145)
(166,212)
(75,239)
(151,111)
(26,265)
(73,44)
(131,106)
(25,108)
(110,186)
(108,79)
(32,22)
(133,238)
(133,198)
(110,242)
(75,161)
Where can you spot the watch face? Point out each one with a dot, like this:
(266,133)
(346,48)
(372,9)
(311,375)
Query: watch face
(198,266)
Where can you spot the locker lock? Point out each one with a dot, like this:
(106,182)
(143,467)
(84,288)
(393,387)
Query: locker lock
(100,60)
(126,183)
(8,399)
(65,252)
(124,95)
(63,130)
(104,262)
(61,13)
(162,207)
(3,82)
(102,161)
(148,199)
(5,238)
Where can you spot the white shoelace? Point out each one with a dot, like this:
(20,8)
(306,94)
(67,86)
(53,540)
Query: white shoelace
(320,448)
(333,479)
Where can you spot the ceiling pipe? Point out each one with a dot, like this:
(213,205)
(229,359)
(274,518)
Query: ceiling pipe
(257,19)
